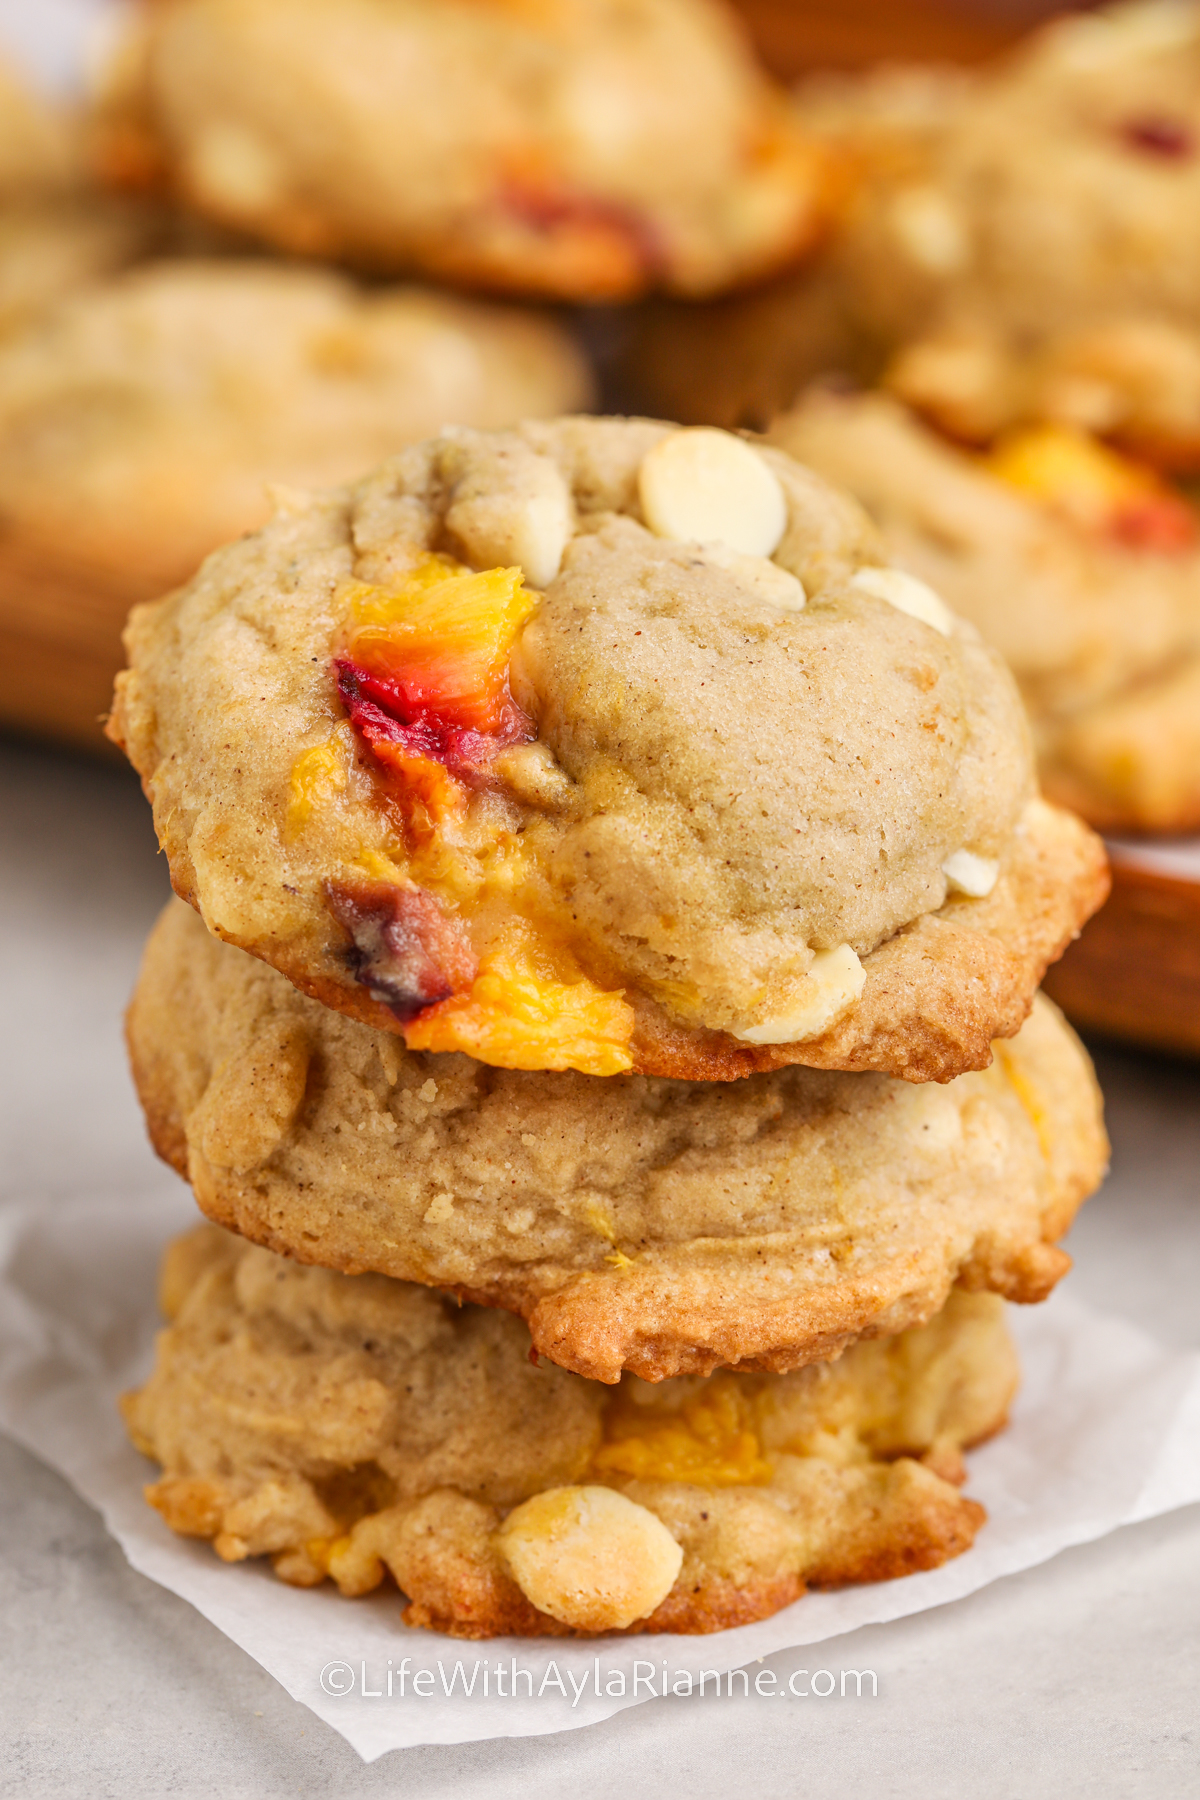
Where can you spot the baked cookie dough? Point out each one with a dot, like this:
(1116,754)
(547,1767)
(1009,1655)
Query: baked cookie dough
(691,807)
(356,1427)
(1035,253)
(142,418)
(584,149)
(637,1223)
(1080,567)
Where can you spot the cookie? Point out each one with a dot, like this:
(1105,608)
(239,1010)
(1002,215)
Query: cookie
(39,150)
(58,232)
(356,1427)
(635,1223)
(741,360)
(1035,256)
(142,418)
(581,149)
(50,248)
(687,807)
(1080,567)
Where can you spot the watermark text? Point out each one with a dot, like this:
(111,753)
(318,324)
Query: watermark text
(505,1678)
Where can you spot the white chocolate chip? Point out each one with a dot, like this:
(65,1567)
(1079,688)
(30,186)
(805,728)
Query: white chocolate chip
(971,874)
(834,982)
(440,1210)
(933,1118)
(510,512)
(907,595)
(930,231)
(759,576)
(704,486)
(589,1557)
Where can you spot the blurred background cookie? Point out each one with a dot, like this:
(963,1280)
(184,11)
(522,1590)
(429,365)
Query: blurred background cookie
(585,149)
(352,1427)
(1081,567)
(1017,242)
(142,419)
(40,147)
(1041,261)
(51,246)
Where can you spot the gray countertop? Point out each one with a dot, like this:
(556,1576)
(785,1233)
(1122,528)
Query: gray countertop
(1078,1677)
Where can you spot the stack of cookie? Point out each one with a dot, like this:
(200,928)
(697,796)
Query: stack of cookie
(599,1020)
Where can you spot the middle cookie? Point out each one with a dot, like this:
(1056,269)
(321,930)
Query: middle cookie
(637,1223)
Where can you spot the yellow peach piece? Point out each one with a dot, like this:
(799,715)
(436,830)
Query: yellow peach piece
(317,775)
(516,1017)
(1071,470)
(456,624)
(710,1440)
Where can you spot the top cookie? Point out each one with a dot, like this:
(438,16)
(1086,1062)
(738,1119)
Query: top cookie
(588,149)
(598,744)
(1036,248)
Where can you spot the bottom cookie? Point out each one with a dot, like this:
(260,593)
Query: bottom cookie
(356,1427)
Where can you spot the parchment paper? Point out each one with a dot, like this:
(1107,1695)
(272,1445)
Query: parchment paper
(1106,1431)
(1177,857)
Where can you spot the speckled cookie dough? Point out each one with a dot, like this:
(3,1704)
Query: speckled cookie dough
(639,1223)
(357,1428)
(600,744)
(1080,567)
(584,149)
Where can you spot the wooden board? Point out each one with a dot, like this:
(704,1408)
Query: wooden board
(794,36)
(1134,973)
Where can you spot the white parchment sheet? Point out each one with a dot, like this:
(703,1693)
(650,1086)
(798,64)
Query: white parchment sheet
(1106,1431)
(1177,857)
